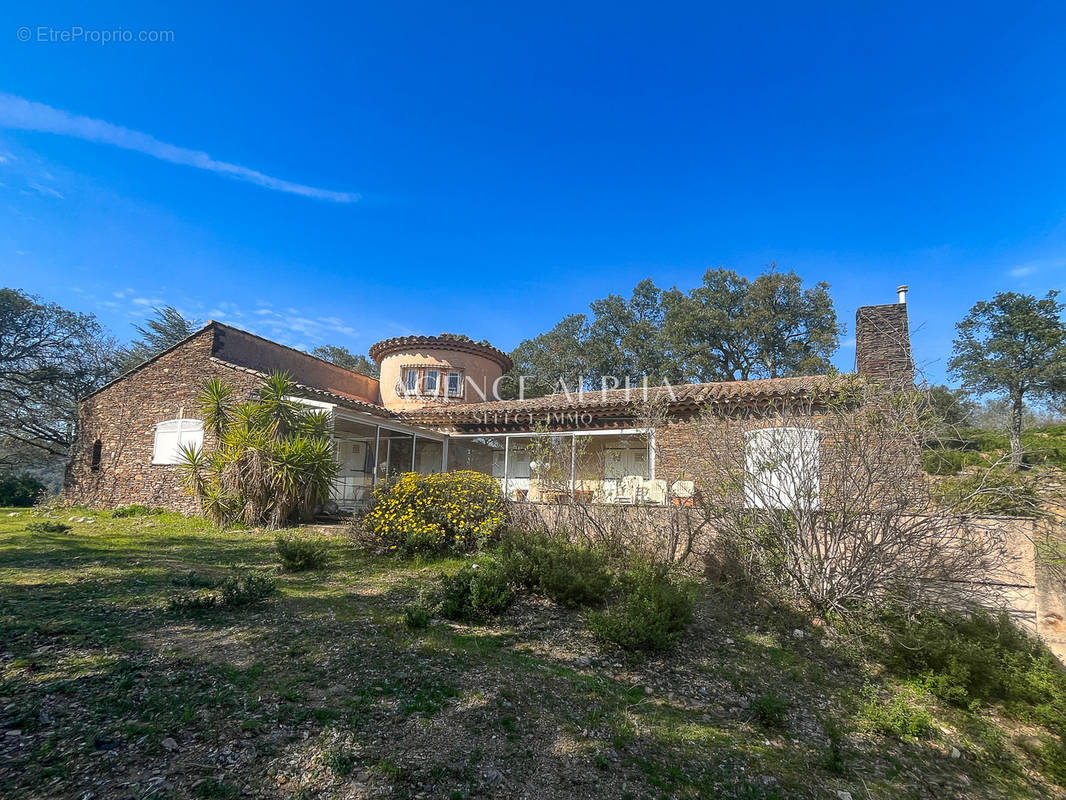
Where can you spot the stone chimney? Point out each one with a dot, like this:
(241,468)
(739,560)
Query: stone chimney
(883,342)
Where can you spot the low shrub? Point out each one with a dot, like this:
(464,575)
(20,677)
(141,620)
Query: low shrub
(195,580)
(300,553)
(193,602)
(990,492)
(237,591)
(1043,445)
(1049,753)
(20,491)
(417,616)
(991,740)
(341,762)
(970,659)
(135,510)
(48,526)
(834,758)
(247,588)
(770,710)
(570,574)
(651,611)
(450,512)
(906,713)
(474,592)
(942,462)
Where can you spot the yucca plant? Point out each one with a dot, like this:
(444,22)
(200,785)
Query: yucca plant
(215,400)
(272,459)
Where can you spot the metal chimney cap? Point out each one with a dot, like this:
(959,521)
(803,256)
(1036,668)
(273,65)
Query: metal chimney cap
(902,291)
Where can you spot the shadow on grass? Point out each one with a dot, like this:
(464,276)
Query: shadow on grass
(326,673)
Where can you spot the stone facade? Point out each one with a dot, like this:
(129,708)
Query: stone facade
(883,343)
(122,418)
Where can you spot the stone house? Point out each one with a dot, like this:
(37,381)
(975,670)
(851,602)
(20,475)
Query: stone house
(434,409)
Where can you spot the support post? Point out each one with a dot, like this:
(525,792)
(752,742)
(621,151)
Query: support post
(573,465)
(377,454)
(506,467)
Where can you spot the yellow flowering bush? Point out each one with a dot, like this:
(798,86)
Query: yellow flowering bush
(450,512)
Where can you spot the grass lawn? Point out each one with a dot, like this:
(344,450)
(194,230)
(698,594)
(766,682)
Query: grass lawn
(321,691)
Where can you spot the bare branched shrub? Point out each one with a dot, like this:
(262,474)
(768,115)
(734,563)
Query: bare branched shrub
(822,500)
(659,534)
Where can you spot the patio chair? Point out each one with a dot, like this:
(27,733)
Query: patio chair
(655,492)
(630,490)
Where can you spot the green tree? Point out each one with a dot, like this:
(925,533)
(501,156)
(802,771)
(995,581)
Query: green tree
(626,337)
(49,358)
(731,328)
(559,354)
(1013,345)
(166,328)
(343,357)
(951,406)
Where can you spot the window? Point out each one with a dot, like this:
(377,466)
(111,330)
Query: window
(174,434)
(98,450)
(455,384)
(418,379)
(622,461)
(781,468)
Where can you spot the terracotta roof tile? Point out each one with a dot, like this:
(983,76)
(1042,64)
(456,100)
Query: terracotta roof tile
(688,395)
(446,341)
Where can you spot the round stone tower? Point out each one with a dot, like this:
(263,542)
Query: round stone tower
(421,370)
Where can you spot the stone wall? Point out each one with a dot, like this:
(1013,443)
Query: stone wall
(123,416)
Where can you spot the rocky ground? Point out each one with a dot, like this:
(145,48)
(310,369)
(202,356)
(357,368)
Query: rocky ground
(321,691)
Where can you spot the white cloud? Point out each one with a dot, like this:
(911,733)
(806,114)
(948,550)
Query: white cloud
(292,327)
(45,190)
(1021,272)
(19,113)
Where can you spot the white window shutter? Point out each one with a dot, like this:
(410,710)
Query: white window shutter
(782,468)
(171,435)
(192,435)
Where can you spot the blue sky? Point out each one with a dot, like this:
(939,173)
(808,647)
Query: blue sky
(339,175)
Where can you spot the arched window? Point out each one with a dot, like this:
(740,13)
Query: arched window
(98,449)
(782,468)
(174,434)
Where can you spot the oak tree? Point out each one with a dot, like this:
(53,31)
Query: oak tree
(1013,345)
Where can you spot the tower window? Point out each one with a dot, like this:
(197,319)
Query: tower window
(426,380)
(455,384)
(98,449)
